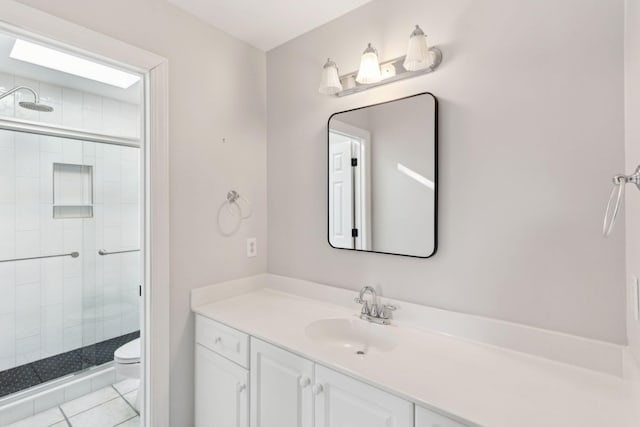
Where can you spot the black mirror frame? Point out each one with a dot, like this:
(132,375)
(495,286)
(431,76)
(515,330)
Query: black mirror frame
(436,167)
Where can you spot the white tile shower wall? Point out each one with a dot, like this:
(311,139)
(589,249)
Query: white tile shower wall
(54,305)
(72,108)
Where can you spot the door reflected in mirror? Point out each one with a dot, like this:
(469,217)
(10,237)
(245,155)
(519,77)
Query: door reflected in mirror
(383,177)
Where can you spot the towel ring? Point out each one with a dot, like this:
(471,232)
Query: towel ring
(232,206)
(235,199)
(616,197)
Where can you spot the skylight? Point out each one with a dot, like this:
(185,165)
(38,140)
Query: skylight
(60,61)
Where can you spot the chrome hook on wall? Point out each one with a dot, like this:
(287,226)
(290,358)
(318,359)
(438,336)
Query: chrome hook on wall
(616,197)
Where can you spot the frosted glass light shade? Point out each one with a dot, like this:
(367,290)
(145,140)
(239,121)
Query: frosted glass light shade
(369,71)
(418,55)
(330,81)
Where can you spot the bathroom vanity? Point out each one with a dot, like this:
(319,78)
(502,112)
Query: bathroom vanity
(286,388)
(268,357)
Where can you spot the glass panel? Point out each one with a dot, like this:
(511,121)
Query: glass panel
(62,314)
(116,232)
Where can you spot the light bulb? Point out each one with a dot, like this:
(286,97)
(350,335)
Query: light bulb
(330,81)
(369,71)
(418,55)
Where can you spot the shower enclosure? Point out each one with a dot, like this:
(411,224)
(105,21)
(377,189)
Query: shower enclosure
(70,227)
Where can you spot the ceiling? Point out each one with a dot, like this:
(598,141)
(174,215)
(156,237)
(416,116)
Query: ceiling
(266,24)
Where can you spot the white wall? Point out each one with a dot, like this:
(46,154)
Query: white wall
(217,89)
(531,131)
(632,155)
(54,305)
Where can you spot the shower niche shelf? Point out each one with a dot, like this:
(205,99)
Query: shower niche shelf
(72,191)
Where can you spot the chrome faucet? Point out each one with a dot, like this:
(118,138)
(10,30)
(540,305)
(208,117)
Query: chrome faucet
(371,311)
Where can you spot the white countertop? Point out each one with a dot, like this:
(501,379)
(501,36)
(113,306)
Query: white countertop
(485,385)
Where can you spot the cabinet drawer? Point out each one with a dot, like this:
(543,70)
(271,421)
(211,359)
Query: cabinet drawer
(226,341)
(427,418)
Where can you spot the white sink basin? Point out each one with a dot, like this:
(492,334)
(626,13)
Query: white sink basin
(355,335)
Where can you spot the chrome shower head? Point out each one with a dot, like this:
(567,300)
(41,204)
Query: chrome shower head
(36,106)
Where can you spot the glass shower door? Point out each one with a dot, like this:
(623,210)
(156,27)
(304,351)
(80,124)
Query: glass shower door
(63,306)
(116,251)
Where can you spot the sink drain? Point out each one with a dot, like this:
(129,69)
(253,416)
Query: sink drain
(360,353)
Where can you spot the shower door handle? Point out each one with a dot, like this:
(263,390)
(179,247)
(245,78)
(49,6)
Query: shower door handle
(71,254)
(103,252)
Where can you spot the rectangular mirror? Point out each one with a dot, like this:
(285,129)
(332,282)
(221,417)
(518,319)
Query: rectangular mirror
(383,177)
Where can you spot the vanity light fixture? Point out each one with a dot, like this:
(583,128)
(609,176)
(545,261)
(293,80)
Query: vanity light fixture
(369,71)
(418,55)
(420,59)
(330,82)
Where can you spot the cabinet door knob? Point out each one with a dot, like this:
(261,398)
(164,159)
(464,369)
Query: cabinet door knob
(218,340)
(241,387)
(304,382)
(317,388)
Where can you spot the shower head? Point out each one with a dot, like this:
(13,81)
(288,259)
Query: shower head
(35,105)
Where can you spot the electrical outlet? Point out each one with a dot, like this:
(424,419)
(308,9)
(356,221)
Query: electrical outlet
(252,247)
(635,298)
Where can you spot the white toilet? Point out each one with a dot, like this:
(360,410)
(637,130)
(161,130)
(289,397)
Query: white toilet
(127,362)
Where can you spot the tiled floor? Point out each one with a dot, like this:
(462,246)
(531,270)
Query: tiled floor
(109,407)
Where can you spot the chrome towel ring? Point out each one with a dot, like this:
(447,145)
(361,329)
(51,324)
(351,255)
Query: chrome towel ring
(234,199)
(234,207)
(616,197)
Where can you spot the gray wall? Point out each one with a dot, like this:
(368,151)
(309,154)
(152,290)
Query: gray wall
(531,130)
(632,145)
(217,89)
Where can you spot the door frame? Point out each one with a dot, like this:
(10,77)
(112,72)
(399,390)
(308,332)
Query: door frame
(21,19)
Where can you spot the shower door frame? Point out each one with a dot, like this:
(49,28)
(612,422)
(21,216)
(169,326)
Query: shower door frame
(35,24)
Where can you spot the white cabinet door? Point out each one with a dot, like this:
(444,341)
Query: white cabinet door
(341,401)
(427,418)
(222,394)
(280,387)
